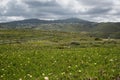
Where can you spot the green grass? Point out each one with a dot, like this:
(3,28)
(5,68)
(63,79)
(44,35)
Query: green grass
(57,59)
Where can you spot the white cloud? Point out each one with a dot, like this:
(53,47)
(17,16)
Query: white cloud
(73,5)
(3,7)
(3,3)
(107,18)
(94,10)
(11,18)
(14,18)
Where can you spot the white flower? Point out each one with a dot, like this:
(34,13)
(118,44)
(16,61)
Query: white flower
(20,79)
(55,61)
(95,63)
(46,78)
(1,75)
(63,73)
(43,74)
(79,71)
(3,69)
(76,65)
(69,66)
(70,73)
(28,61)
(29,75)
(111,60)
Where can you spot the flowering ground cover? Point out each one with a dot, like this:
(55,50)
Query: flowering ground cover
(49,59)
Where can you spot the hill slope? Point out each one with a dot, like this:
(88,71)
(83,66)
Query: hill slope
(72,24)
(69,25)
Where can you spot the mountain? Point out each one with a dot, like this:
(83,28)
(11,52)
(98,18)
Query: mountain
(23,23)
(54,24)
(72,20)
(107,27)
(38,21)
(68,25)
(105,30)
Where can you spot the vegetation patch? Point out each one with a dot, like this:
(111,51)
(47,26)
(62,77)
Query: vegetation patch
(38,57)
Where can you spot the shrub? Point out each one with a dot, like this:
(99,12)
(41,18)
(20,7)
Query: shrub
(110,42)
(75,43)
(98,39)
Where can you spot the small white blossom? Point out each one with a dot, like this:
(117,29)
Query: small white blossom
(43,74)
(63,73)
(95,63)
(20,79)
(1,76)
(79,71)
(46,78)
(29,75)
(76,65)
(69,66)
(3,69)
(111,60)
(70,73)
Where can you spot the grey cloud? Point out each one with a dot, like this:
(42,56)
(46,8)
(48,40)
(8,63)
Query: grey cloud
(34,4)
(99,11)
(97,3)
(44,9)
(14,9)
(51,9)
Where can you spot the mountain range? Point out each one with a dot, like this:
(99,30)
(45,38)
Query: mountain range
(68,25)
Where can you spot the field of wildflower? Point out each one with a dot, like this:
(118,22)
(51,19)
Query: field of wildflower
(41,55)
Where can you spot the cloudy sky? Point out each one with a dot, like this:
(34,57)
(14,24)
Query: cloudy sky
(92,10)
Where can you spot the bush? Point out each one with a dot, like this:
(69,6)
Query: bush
(75,43)
(98,39)
(110,42)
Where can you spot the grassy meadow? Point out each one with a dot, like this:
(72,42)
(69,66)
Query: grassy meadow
(53,55)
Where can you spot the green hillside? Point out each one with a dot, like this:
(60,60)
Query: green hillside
(103,30)
(107,27)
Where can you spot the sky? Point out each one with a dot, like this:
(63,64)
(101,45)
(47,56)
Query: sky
(91,10)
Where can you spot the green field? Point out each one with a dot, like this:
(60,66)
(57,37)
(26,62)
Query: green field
(35,55)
